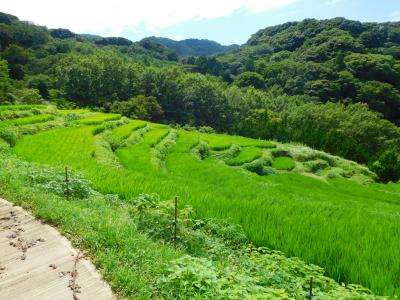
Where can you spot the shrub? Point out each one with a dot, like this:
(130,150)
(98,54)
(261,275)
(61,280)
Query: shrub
(3,145)
(269,171)
(202,150)
(206,129)
(98,129)
(10,134)
(53,181)
(387,166)
(280,153)
(113,142)
(256,166)
(72,117)
(35,111)
(316,165)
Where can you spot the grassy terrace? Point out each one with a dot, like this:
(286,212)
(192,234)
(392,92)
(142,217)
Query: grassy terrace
(98,118)
(351,230)
(20,107)
(27,120)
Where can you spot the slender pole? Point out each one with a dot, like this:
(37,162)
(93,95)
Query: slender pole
(310,294)
(175,220)
(66,183)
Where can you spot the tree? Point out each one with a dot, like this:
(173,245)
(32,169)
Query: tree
(16,57)
(5,84)
(5,38)
(249,79)
(373,38)
(117,41)
(139,107)
(61,33)
(381,97)
(387,166)
(374,67)
(27,96)
(261,123)
(7,19)
(27,35)
(40,82)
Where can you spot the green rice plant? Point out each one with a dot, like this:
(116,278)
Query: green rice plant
(9,134)
(27,120)
(98,118)
(98,129)
(123,132)
(201,150)
(283,163)
(155,137)
(104,153)
(13,114)
(21,107)
(217,142)
(117,123)
(231,152)
(137,264)
(338,224)
(160,150)
(247,154)
(37,127)
(3,145)
(129,261)
(64,112)
(256,166)
(136,136)
(188,140)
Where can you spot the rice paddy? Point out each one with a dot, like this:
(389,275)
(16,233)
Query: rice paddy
(350,229)
(283,163)
(27,120)
(98,118)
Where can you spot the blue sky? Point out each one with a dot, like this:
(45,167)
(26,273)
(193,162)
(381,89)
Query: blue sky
(225,21)
(237,27)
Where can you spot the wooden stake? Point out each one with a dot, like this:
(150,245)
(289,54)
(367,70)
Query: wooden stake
(66,183)
(310,294)
(175,220)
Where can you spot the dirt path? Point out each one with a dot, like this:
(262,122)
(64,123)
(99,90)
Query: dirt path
(36,262)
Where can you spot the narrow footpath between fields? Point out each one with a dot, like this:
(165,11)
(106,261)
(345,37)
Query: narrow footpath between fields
(36,262)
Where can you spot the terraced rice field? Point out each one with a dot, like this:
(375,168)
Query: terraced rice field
(351,229)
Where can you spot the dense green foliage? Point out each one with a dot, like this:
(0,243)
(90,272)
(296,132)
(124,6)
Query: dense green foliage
(323,83)
(317,217)
(192,47)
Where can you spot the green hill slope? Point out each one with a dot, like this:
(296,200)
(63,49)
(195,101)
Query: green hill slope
(321,208)
(194,47)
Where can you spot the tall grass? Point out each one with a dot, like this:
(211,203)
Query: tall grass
(351,230)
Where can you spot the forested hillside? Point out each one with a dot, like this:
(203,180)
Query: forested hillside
(333,85)
(189,47)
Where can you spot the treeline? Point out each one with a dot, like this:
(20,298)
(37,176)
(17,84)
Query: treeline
(147,81)
(334,60)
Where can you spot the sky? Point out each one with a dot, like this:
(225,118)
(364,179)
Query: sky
(225,21)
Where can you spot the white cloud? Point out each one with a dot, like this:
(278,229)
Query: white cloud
(108,15)
(394,16)
(333,2)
